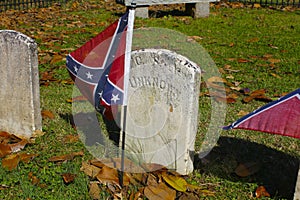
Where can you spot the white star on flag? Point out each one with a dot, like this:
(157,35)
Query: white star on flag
(89,75)
(115,98)
(75,69)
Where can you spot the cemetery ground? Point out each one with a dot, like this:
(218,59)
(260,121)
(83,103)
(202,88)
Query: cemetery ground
(257,52)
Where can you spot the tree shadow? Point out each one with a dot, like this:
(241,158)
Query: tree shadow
(277,172)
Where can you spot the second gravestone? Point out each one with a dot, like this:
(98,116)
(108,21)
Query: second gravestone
(162,112)
(19,89)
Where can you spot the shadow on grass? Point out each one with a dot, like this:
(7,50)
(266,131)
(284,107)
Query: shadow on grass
(278,171)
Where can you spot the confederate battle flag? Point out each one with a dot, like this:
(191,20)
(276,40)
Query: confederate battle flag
(278,117)
(100,67)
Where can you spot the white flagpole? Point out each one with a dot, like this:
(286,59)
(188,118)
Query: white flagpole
(126,82)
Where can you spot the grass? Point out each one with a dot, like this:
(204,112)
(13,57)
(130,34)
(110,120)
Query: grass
(228,35)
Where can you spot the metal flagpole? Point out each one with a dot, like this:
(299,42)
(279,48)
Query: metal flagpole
(126,80)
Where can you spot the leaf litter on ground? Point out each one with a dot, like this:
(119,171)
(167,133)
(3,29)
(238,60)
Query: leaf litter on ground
(159,184)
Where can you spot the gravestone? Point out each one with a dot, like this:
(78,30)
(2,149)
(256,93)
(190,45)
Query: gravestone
(297,188)
(19,90)
(162,113)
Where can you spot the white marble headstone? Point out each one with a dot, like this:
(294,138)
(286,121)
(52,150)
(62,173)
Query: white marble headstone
(20,112)
(162,109)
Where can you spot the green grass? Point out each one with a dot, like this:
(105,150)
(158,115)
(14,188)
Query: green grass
(227,35)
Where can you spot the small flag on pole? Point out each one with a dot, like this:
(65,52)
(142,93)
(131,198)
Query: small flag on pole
(100,68)
(278,117)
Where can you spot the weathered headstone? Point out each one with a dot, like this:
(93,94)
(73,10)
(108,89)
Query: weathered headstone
(297,188)
(162,109)
(19,89)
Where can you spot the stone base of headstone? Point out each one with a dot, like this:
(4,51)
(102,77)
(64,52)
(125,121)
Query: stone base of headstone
(142,12)
(197,10)
(297,188)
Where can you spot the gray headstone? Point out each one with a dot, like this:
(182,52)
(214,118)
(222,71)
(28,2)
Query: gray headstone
(297,188)
(162,114)
(19,89)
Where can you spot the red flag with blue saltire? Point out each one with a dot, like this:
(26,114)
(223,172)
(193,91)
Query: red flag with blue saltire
(100,68)
(278,117)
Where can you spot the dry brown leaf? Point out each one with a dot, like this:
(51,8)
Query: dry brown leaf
(68,178)
(94,190)
(159,191)
(11,161)
(47,114)
(261,192)
(253,40)
(18,146)
(56,58)
(242,113)
(71,138)
(247,169)
(34,180)
(4,150)
(26,157)
(89,170)
(65,157)
(273,60)
(242,60)
(216,79)
(110,175)
(256,5)
(77,99)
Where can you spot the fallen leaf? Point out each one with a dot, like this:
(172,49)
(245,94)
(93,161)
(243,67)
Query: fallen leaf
(253,40)
(242,113)
(71,138)
(273,60)
(256,5)
(110,175)
(65,157)
(47,114)
(242,60)
(68,178)
(272,46)
(89,170)
(176,182)
(94,190)
(77,99)
(247,169)
(11,161)
(56,58)
(159,191)
(34,180)
(216,79)
(15,147)
(261,192)
(26,157)
(4,150)
(276,75)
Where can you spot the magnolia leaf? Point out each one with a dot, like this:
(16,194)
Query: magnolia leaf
(89,170)
(176,182)
(110,175)
(94,190)
(247,169)
(4,150)
(11,161)
(18,146)
(159,191)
